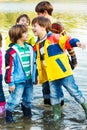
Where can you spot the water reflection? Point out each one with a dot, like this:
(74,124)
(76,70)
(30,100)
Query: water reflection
(73,117)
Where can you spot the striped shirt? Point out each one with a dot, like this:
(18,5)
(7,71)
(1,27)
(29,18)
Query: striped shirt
(25,58)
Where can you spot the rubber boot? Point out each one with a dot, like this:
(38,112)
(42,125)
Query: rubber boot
(62,102)
(84,105)
(26,111)
(9,117)
(47,101)
(57,111)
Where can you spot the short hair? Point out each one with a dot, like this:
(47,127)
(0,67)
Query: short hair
(43,22)
(44,5)
(21,16)
(58,28)
(16,31)
(0,40)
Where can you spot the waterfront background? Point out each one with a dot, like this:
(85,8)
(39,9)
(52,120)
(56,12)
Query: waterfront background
(73,15)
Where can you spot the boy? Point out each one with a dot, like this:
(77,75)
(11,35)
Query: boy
(45,8)
(53,64)
(19,68)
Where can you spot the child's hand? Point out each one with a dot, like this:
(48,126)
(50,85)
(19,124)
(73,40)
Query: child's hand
(36,82)
(79,44)
(11,88)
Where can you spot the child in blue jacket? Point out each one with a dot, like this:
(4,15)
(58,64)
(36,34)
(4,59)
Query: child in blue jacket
(18,75)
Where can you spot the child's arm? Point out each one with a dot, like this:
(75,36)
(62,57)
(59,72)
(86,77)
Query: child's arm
(73,59)
(9,70)
(74,42)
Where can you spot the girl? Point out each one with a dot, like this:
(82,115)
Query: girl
(2,97)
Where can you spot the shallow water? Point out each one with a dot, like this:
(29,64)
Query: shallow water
(73,117)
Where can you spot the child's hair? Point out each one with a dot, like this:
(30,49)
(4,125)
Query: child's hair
(16,31)
(0,40)
(58,28)
(43,22)
(44,6)
(21,16)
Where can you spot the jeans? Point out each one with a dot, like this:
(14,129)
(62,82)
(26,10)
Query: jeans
(22,91)
(2,97)
(69,85)
(46,91)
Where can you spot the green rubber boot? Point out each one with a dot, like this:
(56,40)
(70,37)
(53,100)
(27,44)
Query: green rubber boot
(84,105)
(57,112)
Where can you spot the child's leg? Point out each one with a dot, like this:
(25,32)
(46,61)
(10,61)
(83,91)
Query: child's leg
(14,100)
(56,92)
(72,88)
(56,95)
(46,93)
(27,98)
(2,97)
(14,97)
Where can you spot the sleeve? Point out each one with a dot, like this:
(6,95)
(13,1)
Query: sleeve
(35,73)
(0,60)
(71,42)
(9,66)
(73,59)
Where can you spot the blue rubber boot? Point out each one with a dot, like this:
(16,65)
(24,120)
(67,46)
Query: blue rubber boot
(26,111)
(9,118)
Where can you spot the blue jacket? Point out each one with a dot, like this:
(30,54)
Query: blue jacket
(14,68)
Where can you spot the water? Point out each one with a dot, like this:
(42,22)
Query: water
(73,16)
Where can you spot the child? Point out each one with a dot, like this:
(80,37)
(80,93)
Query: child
(25,20)
(18,76)
(59,28)
(2,97)
(45,8)
(53,64)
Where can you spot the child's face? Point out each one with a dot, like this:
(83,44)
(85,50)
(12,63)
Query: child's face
(24,21)
(24,37)
(38,30)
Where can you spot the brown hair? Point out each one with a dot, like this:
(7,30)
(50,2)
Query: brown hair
(43,22)
(0,40)
(44,6)
(21,16)
(16,31)
(58,28)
